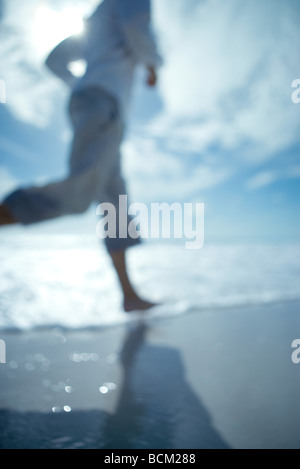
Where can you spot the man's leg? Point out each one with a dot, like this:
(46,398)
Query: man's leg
(118,247)
(94,129)
(132,301)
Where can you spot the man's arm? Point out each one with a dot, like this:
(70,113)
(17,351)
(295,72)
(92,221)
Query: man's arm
(66,52)
(135,18)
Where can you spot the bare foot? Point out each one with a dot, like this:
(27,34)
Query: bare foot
(6,217)
(137,304)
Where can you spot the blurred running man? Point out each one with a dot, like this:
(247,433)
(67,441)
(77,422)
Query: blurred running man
(117,38)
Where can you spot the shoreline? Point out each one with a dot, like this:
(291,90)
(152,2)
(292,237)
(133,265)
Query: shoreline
(162,313)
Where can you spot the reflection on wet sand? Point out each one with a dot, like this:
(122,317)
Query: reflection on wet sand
(156,409)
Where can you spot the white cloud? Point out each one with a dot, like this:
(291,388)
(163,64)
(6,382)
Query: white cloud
(261,180)
(25,42)
(231,64)
(8,182)
(266,178)
(160,175)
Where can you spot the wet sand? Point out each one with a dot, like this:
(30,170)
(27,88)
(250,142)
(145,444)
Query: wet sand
(207,379)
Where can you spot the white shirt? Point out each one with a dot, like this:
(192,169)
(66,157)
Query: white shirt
(117,37)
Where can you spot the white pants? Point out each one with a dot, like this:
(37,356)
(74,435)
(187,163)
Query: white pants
(94,167)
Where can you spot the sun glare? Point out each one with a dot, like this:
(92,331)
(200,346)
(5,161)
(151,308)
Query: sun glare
(49,27)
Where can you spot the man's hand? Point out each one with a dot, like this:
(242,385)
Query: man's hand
(152,76)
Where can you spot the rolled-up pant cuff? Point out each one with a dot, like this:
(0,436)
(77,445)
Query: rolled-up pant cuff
(28,208)
(121,244)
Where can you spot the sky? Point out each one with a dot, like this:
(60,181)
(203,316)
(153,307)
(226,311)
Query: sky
(220,128)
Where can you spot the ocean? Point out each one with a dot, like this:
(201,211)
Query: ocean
(68,281)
